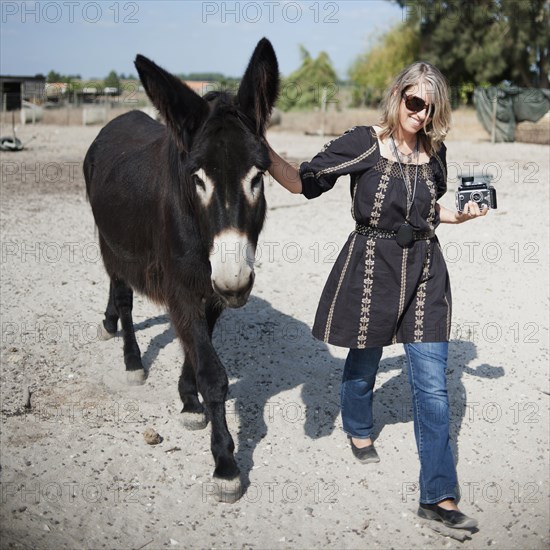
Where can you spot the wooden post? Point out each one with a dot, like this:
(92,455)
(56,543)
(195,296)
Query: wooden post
(323,111)
(494,124)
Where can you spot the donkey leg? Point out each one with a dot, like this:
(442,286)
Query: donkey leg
(108,327)
(193,416)
(228,486)
(193,413)
(124,298)
(212,383)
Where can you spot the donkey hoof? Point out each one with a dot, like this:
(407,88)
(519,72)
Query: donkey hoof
(135,377)
(103,333)
(228,490)
(193,420)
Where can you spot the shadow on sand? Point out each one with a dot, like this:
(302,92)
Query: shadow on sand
(267,352)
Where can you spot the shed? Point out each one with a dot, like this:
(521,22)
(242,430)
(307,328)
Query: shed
(14,89)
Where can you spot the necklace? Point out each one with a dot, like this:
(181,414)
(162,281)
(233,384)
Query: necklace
(405,233)
(406,158)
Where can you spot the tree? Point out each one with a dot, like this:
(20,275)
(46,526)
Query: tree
(527,41)
(204,77)
(53,77)
(374,70)
(112,81)
(306,87)
(484,42)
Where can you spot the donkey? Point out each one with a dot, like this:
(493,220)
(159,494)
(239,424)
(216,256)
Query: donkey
(179,208)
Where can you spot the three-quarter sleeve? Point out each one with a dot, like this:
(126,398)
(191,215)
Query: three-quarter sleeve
(344,155)
(439,166)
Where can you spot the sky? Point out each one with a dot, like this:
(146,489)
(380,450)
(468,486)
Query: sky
(92,38)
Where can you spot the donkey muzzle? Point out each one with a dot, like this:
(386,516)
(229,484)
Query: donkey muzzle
(235,298)
(232,262)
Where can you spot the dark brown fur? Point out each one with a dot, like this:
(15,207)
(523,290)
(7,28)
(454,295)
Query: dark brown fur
(154,233)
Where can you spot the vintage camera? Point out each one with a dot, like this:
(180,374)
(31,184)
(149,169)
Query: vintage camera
(477,189)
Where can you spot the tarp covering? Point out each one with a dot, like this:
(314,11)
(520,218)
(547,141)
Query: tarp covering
(513,105)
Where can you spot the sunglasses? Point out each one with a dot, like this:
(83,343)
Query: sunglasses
(416,104)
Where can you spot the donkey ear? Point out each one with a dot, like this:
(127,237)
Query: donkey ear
(183,110)
(260,85)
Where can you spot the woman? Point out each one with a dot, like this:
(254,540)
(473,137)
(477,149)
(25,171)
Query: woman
(390,282)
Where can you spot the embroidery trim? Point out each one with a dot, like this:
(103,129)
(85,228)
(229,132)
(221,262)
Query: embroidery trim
(367,294)
(346,164)
(379,197)
(433,192)
(421,299)
(340,281)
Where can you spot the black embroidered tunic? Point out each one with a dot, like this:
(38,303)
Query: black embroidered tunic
(378,293)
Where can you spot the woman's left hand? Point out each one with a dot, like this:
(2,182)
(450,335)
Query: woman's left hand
(471,211)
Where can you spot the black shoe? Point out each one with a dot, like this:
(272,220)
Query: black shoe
(366,454)
(450,518)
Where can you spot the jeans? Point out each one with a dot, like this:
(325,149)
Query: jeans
(426,368)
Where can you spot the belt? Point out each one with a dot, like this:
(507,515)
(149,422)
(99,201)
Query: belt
(387,234)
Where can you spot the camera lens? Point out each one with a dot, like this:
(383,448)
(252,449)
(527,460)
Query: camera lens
(476,196)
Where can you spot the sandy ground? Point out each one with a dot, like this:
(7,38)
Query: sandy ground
(76,471)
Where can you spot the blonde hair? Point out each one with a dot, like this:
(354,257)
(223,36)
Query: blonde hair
(420,73)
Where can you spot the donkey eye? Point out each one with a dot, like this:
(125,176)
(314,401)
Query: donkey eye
(199,182)
(204,186)
(252,184)
(257,183)
(257,180)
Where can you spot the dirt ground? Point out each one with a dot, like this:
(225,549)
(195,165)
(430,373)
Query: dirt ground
(76,471)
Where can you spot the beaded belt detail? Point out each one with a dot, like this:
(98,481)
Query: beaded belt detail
(387,234)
